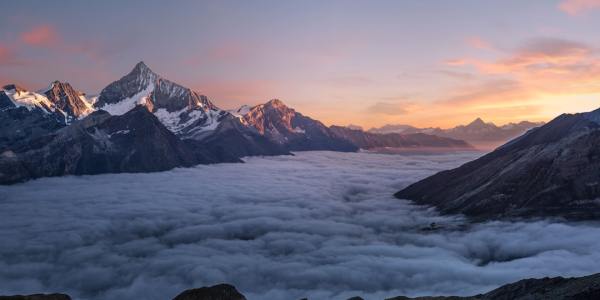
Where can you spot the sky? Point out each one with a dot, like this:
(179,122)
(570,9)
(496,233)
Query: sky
(369,63)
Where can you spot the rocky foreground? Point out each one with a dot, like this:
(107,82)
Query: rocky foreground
(557,288)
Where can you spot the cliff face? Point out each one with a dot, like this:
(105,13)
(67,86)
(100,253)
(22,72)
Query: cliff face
(68,100)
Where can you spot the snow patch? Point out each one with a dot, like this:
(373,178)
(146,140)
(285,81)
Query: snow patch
(125,105)
(173,120)
(299,130)
(126,131)
(30,100)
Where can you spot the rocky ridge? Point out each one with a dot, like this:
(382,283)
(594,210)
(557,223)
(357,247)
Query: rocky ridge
(551,171)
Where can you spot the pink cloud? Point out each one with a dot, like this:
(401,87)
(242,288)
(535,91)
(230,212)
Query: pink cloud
(478,43)
(41,36)
(575,7)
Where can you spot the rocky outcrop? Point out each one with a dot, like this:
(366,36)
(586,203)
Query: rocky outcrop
(550,171)
(557,288)
(37,297)
(292,130)
(216,292)
(68,100)
(101,143)
(367,140)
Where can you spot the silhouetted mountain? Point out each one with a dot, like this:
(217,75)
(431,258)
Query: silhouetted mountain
(367,140)
(100,143)
(478,132)
(216,292)
(550,171)
(556,288)
(397,128)
(292,130)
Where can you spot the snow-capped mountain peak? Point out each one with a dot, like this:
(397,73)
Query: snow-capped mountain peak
(181,109)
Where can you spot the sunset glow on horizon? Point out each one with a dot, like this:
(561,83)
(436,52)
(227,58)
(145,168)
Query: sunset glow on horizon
(423,63)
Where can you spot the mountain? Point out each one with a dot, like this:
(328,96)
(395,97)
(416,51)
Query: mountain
(18,123)
(396,128)
(367,140)
(551,171)
(556,288)
(292,130)
(482,134)
(355,127)
(216,292)
(100,143)
(73,103)
(185,112)
(60,99)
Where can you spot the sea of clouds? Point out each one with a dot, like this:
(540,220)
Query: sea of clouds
(321,225)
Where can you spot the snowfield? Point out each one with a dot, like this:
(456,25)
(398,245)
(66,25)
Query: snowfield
(321,225)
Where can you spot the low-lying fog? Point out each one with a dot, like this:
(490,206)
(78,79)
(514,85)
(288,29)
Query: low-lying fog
(321,225)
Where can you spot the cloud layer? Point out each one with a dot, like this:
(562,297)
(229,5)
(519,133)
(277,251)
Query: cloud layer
(320,225)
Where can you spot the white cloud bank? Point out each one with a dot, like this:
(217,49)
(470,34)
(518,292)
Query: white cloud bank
(320,225)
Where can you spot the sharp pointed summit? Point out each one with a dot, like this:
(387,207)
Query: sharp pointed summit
(477,122)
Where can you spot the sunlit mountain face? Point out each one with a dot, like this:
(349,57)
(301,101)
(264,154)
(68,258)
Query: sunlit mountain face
(320,150)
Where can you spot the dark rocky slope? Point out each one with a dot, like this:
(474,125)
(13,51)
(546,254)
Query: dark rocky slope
(233,138)
(292,130)
(134,142)
(550,171)
(217,292)
(20,123)
(367,140)
(557,288)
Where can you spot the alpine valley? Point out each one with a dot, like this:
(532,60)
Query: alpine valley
(144,123)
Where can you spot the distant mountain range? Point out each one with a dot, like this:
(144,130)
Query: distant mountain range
(482,134)
(551,170)
(144,122)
